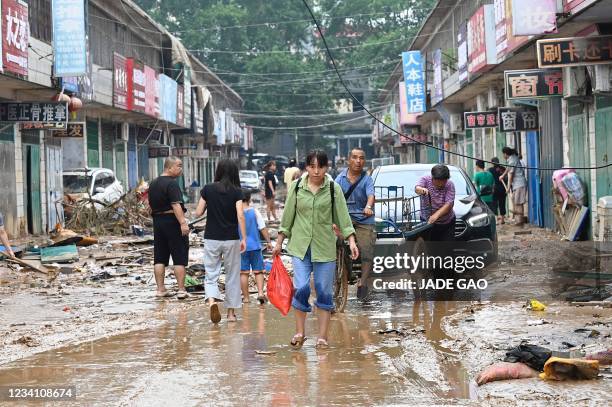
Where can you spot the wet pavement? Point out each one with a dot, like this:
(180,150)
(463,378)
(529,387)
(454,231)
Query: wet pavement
(189,361)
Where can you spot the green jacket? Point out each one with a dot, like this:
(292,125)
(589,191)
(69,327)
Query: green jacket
(312,225)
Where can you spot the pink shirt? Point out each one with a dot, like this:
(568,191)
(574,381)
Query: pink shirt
(439,198)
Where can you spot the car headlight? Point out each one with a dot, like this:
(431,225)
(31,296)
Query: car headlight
(479,220)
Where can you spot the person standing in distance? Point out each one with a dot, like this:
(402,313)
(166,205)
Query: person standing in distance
(170,229)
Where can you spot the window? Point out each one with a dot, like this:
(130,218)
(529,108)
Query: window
(104,180)
(40,19)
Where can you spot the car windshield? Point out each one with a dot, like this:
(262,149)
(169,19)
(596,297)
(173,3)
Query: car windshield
(409,178)
(246,175)
(76,184)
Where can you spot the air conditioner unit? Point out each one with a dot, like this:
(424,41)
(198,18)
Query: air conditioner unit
(603,79)
(574,82)
(456,124)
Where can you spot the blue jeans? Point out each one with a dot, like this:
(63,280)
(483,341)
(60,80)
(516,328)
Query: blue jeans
(323,280)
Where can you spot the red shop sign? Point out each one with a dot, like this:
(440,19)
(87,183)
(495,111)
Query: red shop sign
(120,81)
(15,36)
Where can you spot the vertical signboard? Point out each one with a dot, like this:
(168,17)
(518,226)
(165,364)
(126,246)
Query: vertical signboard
(414,80)
(69,38)
(222,128)
(506,41)
(534,18)
(150,95)
(158,96)
(438,91)
(15,36)
(187,91)
(462,53)
(481,39)
(180,106)
(406,119)
(574,6)
(139,85)
(120,87)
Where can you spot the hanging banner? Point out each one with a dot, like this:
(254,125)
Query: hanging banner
(45,112)
(158,96)
(438,89)
(505,39)
(481,39)
(534,18)
(574,6)
(120,82)
(150,95)
(480,120)
(462,54)
(414,80)
(73,130)
(180,106)
(518,119)
(15,36)
(533,83)
(222,128)
(168,97)
(69,38)
(575,51)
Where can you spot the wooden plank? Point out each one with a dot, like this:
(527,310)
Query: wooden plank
(61,254)
(28,264)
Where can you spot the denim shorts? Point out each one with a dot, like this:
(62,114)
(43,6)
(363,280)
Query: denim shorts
(251,260)
(323,280)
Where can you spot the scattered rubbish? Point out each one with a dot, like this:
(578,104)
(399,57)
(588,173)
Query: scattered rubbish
(505,371)
(18,324)
(604,357)
(265,352)
(34,265)
(138,230)
(536,322)
(570,369)
(604,304)
(27,340)
(533,355)
(66,309)
(535,305)
(568,344)
(59,254)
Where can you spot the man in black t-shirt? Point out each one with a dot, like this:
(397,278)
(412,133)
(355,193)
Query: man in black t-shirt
(270,190)
(170,229)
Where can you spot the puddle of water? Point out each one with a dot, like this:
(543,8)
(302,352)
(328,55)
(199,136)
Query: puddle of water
(189,361)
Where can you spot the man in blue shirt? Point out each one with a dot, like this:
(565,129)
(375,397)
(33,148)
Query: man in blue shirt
(358,189)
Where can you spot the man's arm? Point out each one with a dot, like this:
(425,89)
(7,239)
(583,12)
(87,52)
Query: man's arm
(5,242)
(371,197)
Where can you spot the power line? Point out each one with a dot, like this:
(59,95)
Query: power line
(333,62)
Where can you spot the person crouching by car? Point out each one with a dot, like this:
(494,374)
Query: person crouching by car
(438,191)
(314,204)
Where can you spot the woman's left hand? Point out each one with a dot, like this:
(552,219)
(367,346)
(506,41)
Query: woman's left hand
(354,249)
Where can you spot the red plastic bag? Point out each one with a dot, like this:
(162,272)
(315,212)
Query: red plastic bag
(280,287)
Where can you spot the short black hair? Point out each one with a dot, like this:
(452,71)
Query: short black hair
(495,160)
(358,149)
(440,172)
(246,195)
(320,156)
(508,151)
(480,164)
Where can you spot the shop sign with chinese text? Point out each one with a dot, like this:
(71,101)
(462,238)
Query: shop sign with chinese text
(575,51)
(69,38)
(505,39)
(159,151)
(574,6)
(138,82)
(73,129)
(120,81)
(533,83)
(150,91)
(534,18)
(15,36)
(45,112)
(438,91)
(414,80)
(518,119)
(481,39)
(480,120)
(462,53)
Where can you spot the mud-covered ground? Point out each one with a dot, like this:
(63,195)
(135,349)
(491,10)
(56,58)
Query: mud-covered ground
(387,351)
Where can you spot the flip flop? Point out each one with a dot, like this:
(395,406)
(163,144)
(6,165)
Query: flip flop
(181,295)
(322,344)
(262,299)
(165,294)
(215,315)
(297,344)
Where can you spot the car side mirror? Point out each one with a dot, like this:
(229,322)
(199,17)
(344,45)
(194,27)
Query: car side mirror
(100,190)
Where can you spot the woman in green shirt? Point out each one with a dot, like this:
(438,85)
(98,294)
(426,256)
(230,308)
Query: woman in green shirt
(308,221)
(485,183)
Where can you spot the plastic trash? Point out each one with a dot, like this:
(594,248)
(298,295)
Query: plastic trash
(574,188)
(280,287)
(570,369)
(604,357)
(505,371)
(536,305)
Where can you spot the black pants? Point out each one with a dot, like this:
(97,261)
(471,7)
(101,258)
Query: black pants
(169,241)
(442,232)
(499,203)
